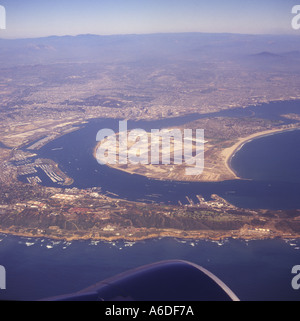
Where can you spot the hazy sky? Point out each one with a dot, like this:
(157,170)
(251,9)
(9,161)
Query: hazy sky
(35,18)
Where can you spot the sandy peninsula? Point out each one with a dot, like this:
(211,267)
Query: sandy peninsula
(217,162)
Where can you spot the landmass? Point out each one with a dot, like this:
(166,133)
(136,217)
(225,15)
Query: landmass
(47,91)
(70,213)
(87,214)
(223,138)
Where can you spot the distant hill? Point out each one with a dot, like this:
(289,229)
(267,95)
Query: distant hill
(266,54)
(126,48)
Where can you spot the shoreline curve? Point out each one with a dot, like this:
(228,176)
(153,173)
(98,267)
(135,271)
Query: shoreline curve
(230,152)
(226,154)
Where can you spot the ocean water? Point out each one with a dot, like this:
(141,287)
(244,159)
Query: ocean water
(274,158)
(41,268)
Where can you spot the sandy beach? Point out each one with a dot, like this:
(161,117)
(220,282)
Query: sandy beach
(217,166)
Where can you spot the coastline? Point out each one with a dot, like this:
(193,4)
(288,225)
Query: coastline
(230,152)
(213,236)
(226,154)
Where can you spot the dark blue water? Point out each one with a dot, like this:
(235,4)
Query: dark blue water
(255,270)
(275,158)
